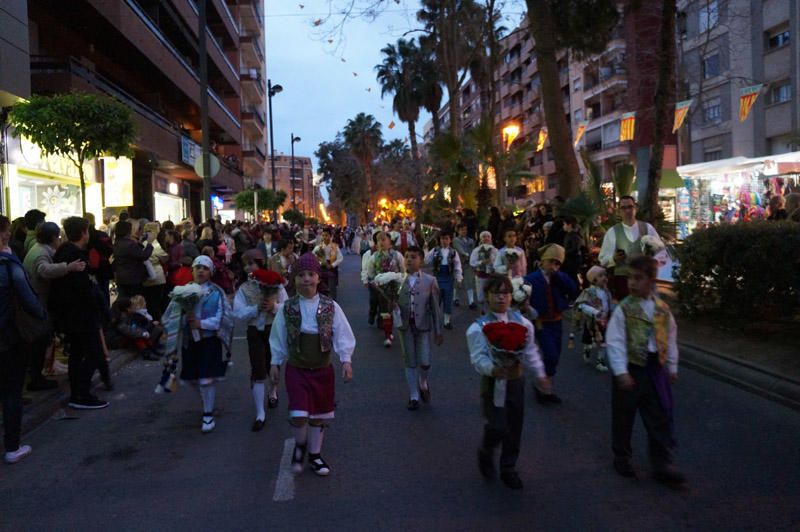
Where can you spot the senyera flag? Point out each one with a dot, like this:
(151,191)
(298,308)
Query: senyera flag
(681,110)
(747,97)
(627,126)
(542,139)
(580,132)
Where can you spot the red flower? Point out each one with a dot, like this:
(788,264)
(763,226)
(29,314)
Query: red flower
(267,277)
(506,336)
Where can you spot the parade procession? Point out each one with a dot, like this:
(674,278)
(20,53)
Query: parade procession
(510,229)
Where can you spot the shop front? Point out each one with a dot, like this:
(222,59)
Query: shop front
(170,198)
(48,183)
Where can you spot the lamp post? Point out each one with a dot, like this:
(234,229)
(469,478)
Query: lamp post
(272,91)
(291,172)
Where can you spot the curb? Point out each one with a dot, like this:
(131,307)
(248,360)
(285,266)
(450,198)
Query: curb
(749,377)
(48,405)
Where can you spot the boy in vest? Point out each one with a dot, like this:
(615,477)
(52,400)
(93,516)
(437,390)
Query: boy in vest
(420,317)
(502,386)
(552,291)
(511,259)
(446,268)
(464,245)
(643,354)
(306,329)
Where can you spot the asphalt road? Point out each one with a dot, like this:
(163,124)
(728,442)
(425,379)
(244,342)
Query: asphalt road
(142,464)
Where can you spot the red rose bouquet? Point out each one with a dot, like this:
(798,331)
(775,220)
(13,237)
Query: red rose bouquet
(506,341)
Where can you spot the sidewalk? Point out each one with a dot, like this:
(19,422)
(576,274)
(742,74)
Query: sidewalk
(53,403)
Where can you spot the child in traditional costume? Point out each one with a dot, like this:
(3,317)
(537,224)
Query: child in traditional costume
(464,245)
(367,281)
(482,260)
(511,259)
(330,257)
(551,294)
(643,356)
(256,303)
(307,328)
(420,317)
(385,260)
(446,268)
(206,326)
(500,344)
(595,304)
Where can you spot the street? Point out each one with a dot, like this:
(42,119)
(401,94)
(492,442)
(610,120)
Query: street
(142,464)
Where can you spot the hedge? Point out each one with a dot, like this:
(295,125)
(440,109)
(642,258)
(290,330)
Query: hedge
(742,268)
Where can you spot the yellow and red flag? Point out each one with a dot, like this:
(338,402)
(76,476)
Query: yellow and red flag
(681,110)
(627,126)
(747,97)
(542,139)
(581,130)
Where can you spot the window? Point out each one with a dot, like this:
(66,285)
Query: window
(712,110)
(712,155)
(578,115)
(711,66)
(777,38)
(709,14)
(515,77)
(552,182)
(576,84)
(780,92)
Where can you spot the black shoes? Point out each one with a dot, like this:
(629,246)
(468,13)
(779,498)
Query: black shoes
(546,398)
(667,474)
(511,479)
(371,320)
(272,402)
(298,456)
(425,394)
(473,306)
(319,465)
(448,326)
(42,384)
(456,303)
(413,404)
(624,468)
(258,424)
(486,464)
(87,403)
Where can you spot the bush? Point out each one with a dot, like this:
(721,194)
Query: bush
(294,216)
(742,268)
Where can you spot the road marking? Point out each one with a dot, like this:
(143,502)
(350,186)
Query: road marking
(284,485)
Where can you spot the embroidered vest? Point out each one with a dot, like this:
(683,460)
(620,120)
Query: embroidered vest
(638,328)
(437,263)
(631,249)
(384,261)
(325,313)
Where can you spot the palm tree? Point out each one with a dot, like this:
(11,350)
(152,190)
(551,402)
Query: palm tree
(430,87)
(399,74)
(363,137)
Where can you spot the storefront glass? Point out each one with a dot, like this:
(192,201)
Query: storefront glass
(169,207)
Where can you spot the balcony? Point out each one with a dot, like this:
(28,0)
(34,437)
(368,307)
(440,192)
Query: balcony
(253,158)
(609,150)
(610,81)
(251,47)
(251,17)
(252,86)
(253,123)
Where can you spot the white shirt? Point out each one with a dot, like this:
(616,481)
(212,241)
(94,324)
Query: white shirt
(365,266)
(252,314)
(606,256)
(616,340)
(481,357)
(475,262)
(448,255)
(520,267)
(344,343)
(329,250)
(605,305)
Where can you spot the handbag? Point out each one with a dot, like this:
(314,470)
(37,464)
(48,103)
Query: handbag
(29,329)
(151,271)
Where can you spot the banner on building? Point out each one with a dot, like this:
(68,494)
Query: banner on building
(627,126)
(681,110)
(118,182)
(542,139)
(580,132)
(747,97)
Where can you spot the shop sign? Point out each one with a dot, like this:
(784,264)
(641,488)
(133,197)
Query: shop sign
(190,151)
(28,155)
(118,181)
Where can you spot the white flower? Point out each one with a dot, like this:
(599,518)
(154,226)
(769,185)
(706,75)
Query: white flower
(188,290)
(501,269)
(53,196)
(521,291)
(389,277)
(651,245)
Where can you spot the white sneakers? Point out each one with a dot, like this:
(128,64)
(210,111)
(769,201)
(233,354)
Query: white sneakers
(208,424)
(12,457)
(387,343)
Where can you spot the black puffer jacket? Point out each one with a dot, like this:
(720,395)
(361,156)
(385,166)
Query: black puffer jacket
(129,257)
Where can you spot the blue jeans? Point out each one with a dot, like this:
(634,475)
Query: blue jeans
(445,281)
(549,340)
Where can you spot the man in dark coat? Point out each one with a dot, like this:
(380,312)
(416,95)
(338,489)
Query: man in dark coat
(129,257)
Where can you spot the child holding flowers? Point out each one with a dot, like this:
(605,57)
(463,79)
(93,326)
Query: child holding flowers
(511,259)
(595,304)
(482,261)
(256,303)
(500,344)
(385,260)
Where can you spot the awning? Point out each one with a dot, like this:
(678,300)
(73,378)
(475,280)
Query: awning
(670,178)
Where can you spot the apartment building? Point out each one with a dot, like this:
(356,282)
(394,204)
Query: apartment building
(301,192)
(728,45)
(145,54)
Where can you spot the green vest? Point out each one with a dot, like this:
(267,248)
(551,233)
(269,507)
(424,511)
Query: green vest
(638,328)
(631,249)
(307,350)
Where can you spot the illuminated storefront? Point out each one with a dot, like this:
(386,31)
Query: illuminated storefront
(170,198)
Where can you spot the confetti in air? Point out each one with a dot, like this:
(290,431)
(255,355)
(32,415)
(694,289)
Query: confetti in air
(355,74)
(318,22)
(391,125)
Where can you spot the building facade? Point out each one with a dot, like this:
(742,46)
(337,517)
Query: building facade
(301,192)
(144,53)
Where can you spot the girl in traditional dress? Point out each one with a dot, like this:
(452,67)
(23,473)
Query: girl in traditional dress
(384,260)
(482,261)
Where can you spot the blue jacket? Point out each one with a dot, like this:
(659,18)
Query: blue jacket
(23,294)
(564,291)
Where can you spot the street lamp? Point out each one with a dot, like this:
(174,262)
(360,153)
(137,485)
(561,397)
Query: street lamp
(291,172)
(272,91)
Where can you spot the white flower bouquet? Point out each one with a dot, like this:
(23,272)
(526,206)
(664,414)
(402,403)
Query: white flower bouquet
(388,284)
(651,245)
(187,297)
(485,258)
(521,291)
(511,257)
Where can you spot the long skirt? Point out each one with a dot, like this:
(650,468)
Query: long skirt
(203,360)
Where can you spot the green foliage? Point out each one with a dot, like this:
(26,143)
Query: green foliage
(584,26)
(623,180)
(294,216)
(747,267)
(585,210)
(78,126)
(594,178)
(342,173)
(267,200)
(400,74)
